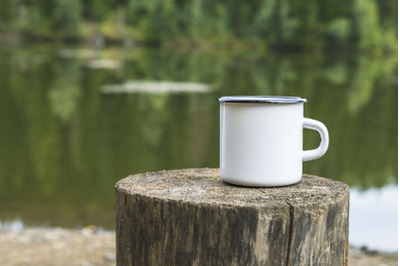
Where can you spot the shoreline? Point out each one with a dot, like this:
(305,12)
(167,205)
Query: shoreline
(95,246)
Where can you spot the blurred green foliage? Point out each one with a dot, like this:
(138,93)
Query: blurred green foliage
(307,24)
(64,144)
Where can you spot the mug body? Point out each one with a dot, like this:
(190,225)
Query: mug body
(261,143)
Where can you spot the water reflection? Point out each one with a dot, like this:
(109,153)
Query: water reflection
(373,218)
(64,144)
(158,87)
(64,92)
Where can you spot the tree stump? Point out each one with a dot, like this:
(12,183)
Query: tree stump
(191,217)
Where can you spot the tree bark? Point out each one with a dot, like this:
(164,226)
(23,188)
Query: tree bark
(191,217)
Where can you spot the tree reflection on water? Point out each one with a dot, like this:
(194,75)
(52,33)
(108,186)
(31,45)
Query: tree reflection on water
(64,144)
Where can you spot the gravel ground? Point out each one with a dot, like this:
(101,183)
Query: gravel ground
(93,246)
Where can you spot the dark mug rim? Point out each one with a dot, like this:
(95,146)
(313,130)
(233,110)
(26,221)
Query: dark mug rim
(261,99)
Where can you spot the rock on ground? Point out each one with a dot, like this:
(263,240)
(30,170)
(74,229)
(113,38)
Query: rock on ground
(93,246)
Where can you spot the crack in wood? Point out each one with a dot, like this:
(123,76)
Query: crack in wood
(290,233)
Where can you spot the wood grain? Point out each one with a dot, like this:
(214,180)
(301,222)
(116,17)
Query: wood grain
(191,217)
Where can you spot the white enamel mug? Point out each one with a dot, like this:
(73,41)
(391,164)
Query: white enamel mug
(261,140)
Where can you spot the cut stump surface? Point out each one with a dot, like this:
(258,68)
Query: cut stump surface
(191,217)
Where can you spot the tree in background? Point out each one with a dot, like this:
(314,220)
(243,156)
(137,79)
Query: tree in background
(66,17)
(304,25)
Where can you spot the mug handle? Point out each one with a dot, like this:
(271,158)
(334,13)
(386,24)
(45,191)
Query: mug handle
(323,133)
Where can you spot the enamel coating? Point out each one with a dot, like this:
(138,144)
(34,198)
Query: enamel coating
(261,143)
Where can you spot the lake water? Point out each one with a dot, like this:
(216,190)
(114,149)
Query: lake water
(65,141)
